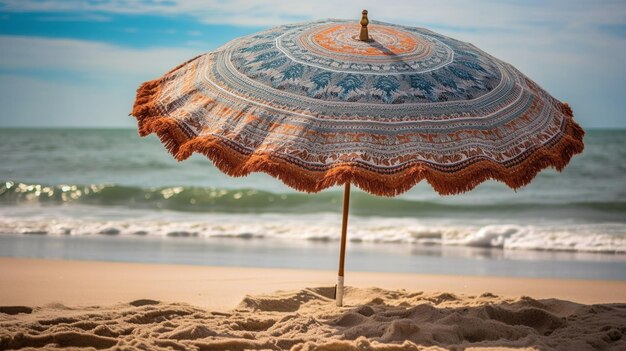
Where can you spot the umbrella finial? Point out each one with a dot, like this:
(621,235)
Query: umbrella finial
(364,36)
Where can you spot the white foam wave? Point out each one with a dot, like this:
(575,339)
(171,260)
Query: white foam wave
(601,237)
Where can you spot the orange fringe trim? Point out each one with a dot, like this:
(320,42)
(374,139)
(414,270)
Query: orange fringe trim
(150,120)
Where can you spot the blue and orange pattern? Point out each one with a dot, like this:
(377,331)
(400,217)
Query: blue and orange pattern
(315,107)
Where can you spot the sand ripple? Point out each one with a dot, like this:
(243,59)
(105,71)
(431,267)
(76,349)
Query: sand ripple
(307,320)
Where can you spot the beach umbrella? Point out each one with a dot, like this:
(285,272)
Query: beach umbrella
(341,102)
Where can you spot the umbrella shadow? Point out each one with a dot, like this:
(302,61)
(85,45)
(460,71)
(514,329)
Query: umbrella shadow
(395,58)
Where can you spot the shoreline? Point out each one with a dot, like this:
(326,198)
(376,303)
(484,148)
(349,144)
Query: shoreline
(38,282)
(317,255)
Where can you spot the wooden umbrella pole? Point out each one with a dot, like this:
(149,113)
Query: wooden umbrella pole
(342,252)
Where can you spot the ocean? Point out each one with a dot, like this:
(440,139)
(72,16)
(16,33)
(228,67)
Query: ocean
(111,195)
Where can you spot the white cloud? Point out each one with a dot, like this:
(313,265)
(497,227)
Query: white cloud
(99,89)
(559,44)
(87,57)
(569,28)
(457,13)
(83,17)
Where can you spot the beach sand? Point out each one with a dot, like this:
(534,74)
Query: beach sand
(83,304)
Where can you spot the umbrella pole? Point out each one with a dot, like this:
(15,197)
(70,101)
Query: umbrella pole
(342,252)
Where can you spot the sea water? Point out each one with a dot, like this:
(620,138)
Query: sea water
(86,194)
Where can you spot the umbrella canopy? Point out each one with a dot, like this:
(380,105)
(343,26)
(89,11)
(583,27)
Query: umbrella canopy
(314,106)
(339,102)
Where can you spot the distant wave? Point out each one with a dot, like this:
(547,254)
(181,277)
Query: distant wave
(201,199)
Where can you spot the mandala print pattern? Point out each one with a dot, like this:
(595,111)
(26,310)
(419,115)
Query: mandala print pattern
(315,107)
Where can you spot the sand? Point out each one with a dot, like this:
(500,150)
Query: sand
(73,304)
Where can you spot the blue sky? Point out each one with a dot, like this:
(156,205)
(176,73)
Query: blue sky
(78,63)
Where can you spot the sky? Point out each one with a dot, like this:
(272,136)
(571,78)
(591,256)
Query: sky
(66,63)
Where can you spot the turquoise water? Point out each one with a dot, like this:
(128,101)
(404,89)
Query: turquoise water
(114,184)
(121,158)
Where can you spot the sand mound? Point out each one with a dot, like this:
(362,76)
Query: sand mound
(307,320)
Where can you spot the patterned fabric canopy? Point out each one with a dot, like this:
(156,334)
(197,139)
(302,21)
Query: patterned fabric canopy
(313,106)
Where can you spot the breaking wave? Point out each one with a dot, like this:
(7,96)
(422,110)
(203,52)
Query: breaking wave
(203,199)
